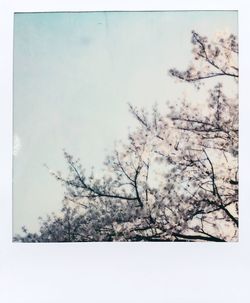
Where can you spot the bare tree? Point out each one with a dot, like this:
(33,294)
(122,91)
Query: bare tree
(176,179)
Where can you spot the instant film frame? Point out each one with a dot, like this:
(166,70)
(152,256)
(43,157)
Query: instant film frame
(136,262)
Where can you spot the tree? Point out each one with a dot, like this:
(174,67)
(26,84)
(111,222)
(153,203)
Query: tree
(176,179)
(216,59)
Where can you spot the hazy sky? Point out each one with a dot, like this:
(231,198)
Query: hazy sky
(74,74)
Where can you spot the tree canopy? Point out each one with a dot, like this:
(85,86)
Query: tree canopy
(175,179)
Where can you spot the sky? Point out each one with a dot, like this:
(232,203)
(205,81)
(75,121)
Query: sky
(74,75)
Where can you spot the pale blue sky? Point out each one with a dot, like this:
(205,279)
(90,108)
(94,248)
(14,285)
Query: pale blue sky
(74,74)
